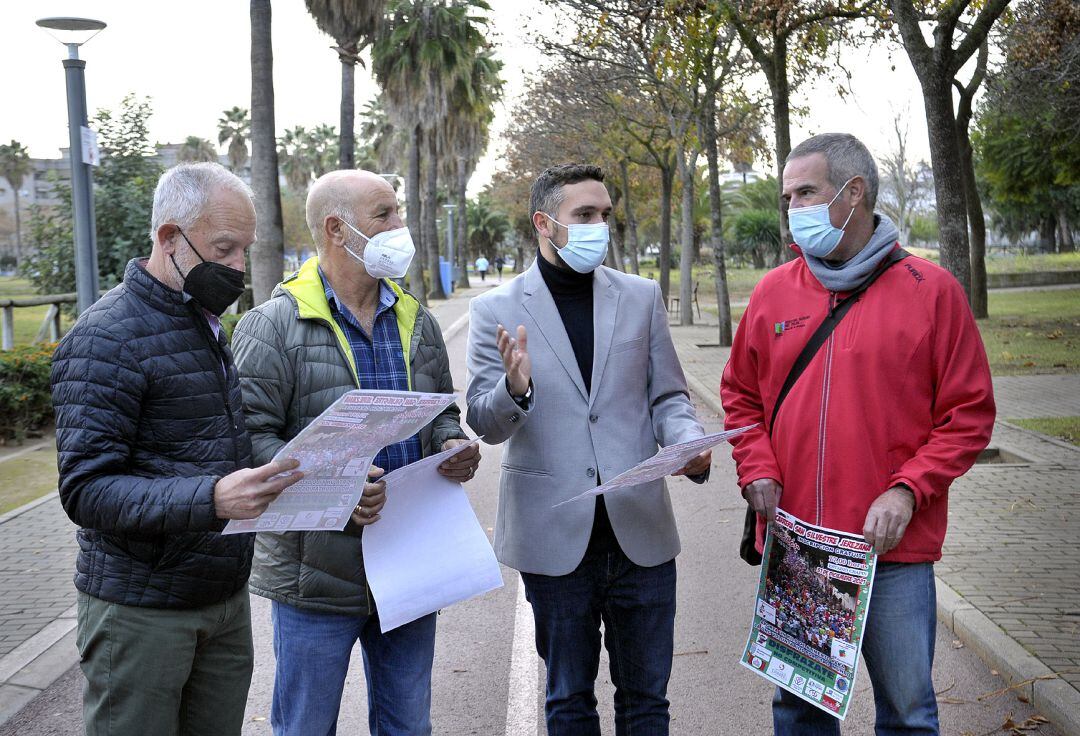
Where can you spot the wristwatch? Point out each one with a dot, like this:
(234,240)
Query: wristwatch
(525,400)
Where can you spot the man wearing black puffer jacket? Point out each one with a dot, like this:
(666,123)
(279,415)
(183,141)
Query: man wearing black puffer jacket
(154,459)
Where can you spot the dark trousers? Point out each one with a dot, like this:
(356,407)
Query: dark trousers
(637,607)
(165,671)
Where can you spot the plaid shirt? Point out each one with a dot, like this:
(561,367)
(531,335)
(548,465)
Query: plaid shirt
(380,363)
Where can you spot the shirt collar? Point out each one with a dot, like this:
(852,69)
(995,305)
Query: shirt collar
(387,297)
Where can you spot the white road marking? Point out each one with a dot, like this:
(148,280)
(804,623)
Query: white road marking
(522,705)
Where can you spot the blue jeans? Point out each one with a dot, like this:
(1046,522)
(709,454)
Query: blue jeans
(898,645)
(313,650)
(637,606)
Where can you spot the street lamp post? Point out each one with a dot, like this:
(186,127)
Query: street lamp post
(73,33)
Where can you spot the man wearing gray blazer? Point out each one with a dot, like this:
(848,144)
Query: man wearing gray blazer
(589,387)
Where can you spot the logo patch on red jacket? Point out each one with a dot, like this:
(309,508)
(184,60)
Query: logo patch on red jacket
(780,328)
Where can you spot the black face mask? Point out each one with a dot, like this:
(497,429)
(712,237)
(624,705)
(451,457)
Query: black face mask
(213,285)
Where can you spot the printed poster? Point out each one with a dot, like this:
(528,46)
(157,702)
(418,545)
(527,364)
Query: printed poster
(812,600)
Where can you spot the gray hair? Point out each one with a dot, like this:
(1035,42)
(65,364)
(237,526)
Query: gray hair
(845,158)
(316,214)
(182,192)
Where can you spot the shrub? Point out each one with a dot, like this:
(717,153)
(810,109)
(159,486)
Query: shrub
(25,395)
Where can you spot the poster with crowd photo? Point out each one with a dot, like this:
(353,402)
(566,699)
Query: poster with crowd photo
(810,613)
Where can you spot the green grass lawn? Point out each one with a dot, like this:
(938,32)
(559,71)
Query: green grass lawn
(1033,332)
(29,476)
(1066,428)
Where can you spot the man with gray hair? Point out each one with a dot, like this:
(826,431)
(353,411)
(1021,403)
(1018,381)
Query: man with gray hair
(338,324)
(154,460)
(889,404)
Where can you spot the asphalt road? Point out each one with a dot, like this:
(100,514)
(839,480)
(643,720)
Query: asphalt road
(487,679)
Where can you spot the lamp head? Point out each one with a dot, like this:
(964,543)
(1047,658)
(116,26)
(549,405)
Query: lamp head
(72,32)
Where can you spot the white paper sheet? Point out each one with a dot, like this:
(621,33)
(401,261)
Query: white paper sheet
(335,451)
(427,550)
(665,462)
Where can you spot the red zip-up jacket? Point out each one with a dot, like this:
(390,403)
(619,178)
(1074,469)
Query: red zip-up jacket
(900,394)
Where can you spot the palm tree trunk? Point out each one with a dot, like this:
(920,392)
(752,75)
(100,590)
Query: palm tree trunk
(412,214)
(431,230)
(631,222)
(347,144)
(462,243)
(268,253)
(686,245)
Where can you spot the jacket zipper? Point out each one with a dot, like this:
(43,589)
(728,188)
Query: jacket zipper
(825,390)
(223,381)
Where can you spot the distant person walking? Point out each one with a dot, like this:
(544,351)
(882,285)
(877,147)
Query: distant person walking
(500,263)
(482,267)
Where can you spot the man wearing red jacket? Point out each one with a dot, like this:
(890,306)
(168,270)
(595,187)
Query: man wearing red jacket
(893,407)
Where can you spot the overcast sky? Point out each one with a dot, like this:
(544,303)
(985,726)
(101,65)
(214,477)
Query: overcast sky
(192,59)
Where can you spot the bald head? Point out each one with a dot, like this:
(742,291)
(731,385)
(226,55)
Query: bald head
(352,195)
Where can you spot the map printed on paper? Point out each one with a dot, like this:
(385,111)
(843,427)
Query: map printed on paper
(335,451)
(665,462)
(812,600)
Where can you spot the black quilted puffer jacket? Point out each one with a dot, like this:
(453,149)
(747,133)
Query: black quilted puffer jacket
(147,421)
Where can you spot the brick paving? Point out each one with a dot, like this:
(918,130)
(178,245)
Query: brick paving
(37,562)
(1011,550)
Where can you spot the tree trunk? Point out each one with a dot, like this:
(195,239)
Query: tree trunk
(430,210)
(977,224)
(1066,243)
(686,244)
(461,246)
(667,176)
(1047,233)
(268,253)
(948,180)
(631,222)
(18,228)
(347,141)
(412,213)
(716,225)
(519,261)
(780,91)
(615,253)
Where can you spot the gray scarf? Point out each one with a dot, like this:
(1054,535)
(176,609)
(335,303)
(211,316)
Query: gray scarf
(854,271)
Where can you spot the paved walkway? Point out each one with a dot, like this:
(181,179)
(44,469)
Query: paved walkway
(1011,553)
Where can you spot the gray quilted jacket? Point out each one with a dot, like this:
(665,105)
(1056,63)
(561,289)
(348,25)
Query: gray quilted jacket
(294,362)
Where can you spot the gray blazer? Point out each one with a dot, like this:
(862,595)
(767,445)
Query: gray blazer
(555,450)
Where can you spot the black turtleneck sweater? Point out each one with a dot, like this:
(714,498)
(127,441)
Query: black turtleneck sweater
(573,295)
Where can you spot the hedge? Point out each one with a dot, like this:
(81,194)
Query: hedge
(25,394)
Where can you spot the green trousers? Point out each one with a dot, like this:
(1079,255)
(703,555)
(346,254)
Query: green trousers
(162,671)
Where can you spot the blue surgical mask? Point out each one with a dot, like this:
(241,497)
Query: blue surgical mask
(813,230)
(586,245)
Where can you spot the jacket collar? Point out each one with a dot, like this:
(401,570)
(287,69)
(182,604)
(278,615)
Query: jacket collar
(139,282)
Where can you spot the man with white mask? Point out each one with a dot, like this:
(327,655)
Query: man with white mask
(339,324)
(587,386)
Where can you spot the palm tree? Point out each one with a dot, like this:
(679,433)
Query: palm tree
(353,25)
(268,253)
(195,149)
(488,227)
(427,48)
(465,136)
(14,166)
(234,128)
(384,139)
(294,154)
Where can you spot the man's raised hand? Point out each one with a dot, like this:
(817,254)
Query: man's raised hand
(515,358)
(246,493)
